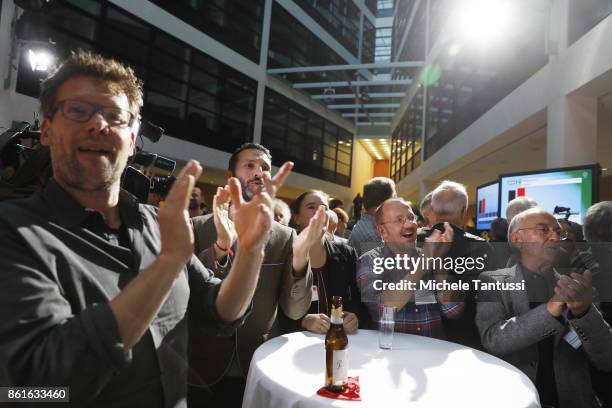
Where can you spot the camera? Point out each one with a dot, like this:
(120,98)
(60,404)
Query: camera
(161,185)
(25,165)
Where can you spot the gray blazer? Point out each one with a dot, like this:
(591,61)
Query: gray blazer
(511,330)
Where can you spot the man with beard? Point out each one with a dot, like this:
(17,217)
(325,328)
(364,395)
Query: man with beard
(286,281)
(417,311)
(197,206)
(552,330)
(95,288)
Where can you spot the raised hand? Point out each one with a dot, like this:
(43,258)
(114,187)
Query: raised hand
(226,232)
(175,228)
(252,219)
(272,185)
(438,243)
(312,234)
(556,305)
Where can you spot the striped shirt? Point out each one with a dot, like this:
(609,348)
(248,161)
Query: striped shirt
(364,236)
(421,319)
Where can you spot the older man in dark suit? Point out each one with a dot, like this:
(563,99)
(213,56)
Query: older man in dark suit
(286,278)
(551,330)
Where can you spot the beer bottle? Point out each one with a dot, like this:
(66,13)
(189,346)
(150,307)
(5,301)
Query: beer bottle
(336,348)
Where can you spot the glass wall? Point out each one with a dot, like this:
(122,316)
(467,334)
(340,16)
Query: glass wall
(293,45)
(235,23)
(414,47)
(406,140)
(586,14)
(340,18)
(369,41)
(318,147)
(372,5)
(191,95)
(383,44)
(466,81)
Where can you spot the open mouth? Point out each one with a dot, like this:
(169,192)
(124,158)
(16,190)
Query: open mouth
(94,150)
(408,234)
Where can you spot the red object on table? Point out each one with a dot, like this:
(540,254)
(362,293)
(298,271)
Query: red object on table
(351,393)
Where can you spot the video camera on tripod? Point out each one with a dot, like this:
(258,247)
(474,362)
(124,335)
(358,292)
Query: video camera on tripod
(565,211)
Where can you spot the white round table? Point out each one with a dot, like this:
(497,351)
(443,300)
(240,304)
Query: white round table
(287,371)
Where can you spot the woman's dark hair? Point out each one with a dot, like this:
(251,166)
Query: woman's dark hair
(295,205)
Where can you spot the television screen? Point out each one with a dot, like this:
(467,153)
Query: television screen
(574,188)
(487,205)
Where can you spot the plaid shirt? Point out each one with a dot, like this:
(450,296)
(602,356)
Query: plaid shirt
(422,319)
(365,236)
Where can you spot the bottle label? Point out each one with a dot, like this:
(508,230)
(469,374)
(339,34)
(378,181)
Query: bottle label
(340,370)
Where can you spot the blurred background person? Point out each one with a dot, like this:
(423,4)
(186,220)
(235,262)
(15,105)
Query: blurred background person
(365,235)
(518,205)
(282,212)
(335,203)
(498,237)
(598,233)
(332,226)
(197,206)
(342,229)
(426,211)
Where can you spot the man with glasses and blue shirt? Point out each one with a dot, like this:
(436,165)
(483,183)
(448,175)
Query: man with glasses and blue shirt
(553,329)
(95,288)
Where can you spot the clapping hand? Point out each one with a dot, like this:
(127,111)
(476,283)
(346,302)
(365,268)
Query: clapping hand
(438,243)
(253,219)
(577,291)
(174,225)
(313,233)
(226,232)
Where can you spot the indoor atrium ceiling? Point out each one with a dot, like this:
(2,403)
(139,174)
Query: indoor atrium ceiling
(379,149)
(366,94)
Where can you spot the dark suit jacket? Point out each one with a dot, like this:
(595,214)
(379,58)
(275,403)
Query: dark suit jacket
(463,330)
(511,329)
(339,278)
(277,286)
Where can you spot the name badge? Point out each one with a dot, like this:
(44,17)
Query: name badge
(315,293)
(572,339)
(424,297)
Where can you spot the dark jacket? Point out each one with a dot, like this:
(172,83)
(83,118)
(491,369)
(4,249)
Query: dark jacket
(463,330)
(339,278)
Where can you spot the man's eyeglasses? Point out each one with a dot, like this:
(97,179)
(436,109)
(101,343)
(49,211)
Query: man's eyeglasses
(401,220)
(80,111)
(546,230)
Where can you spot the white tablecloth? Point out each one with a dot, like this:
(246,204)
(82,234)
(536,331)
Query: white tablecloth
(287,371)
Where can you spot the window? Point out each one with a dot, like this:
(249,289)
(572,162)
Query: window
(318,147)
(235,23)
(191,95)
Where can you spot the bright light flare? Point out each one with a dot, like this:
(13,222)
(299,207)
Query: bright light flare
(484,21)
(40,60)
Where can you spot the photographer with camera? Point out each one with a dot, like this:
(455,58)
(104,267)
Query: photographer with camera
(95,288)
